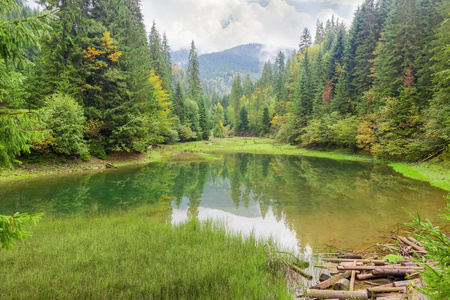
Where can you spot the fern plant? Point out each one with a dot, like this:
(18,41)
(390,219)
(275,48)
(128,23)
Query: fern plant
(436,277)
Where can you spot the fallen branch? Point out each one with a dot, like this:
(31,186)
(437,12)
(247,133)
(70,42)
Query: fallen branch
(429,157)
(298,270)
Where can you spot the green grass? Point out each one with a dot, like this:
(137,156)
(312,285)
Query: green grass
(135,255)
(437,174)
(257,146)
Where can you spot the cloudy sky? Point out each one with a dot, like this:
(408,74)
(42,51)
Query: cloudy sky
(216,25)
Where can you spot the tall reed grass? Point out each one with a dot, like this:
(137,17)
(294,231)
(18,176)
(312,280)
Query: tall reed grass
(137,255)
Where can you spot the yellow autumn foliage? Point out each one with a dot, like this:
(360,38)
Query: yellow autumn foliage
(111,51)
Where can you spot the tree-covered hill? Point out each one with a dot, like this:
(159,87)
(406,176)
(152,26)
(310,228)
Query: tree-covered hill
(218,69)
(244,59)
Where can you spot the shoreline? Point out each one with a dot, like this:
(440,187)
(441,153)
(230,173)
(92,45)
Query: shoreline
(435,173)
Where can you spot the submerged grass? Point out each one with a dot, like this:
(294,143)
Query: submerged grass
(437,174)
(136,255)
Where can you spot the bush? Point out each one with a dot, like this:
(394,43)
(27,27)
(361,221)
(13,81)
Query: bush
(97,149)
(344,132)
(186,134)
(217,132)
(66,123)
(171,137)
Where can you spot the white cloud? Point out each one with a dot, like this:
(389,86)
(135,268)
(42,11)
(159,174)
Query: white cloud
(327,14)
(216,25)
(341,2)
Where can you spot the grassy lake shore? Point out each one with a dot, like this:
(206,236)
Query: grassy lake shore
(435,172)
(137,255)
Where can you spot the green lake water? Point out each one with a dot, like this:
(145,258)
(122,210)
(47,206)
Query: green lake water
(299,201)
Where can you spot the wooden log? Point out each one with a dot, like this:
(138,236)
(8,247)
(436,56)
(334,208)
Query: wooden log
(371,283)
(331,281)
(404,261)
(410,264)
(352,279)
(402,283)
(408,249)
(364,261)
(301,272)
(392,272)
(367,276)
(413,240)
(342,285)
(389,289)
(369,268)
(379,290)
(409,243)
(349,255)
(388,285)
(390,297)
(342,295)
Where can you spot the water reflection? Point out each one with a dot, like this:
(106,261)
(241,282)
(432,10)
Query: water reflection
(297,200)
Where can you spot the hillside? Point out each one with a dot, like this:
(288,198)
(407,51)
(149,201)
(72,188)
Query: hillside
(217,70)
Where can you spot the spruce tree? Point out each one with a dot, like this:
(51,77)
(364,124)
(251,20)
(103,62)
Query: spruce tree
(320,33)
(305,40)
(236,94)
(193,74)
(157,56)
(396,49)
(438,120)
(168,76)
(203,120)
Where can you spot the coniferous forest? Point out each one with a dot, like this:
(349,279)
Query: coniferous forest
(93,82)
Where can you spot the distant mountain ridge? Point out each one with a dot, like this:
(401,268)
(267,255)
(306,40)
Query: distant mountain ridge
(218,69)
(244,59)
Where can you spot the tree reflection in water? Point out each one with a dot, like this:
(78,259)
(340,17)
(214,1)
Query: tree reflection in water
(307,200)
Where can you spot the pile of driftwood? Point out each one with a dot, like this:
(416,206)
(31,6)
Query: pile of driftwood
(350,276)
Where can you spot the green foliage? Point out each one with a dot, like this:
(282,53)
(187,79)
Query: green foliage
(16,134)
(437,115)
(437,243)
(236,94)
(97,149)
(17,35)
(171,137)
(203,120)
(12,228)
(186,134)
(393,258)
(66,123)
(193,73)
